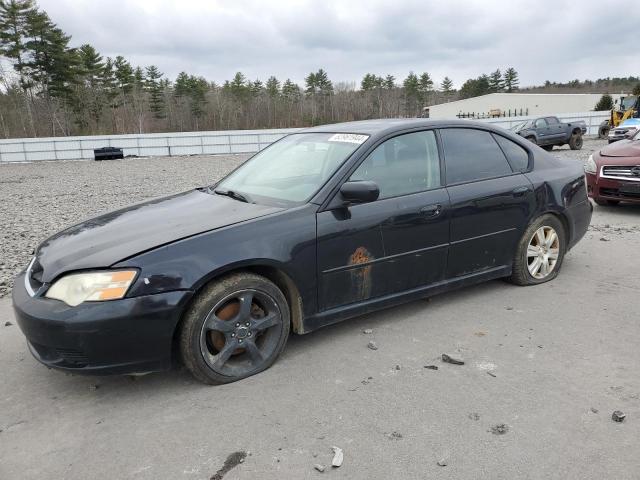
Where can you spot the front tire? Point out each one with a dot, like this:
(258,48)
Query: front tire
(540,252)
(603,131)
(236,327)
(575,142)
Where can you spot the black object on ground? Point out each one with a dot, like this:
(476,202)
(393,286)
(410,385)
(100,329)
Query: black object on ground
(448,359)
(108,153)
(618,416)
(232,461)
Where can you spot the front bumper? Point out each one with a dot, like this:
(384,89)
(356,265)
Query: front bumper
(600,188)
(130,335)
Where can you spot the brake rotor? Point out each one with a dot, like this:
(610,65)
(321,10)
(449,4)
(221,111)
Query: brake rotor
(227,312)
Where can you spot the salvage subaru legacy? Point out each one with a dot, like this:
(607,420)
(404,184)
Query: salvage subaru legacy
(325,224)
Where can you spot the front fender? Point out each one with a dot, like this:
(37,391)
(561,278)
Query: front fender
(285,242)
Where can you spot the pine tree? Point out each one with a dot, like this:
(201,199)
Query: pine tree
(447,86)
(389,82)
(290,91)
(272,87)
(425,87)
(156,91)
(13,24)
(124,75)
(510,80)
(496,84)
(370,82)
(605,103)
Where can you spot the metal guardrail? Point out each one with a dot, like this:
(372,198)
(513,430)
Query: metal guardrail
(196,143)
(155,144)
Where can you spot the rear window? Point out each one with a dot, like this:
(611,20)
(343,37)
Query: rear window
(517,156)
(472,155)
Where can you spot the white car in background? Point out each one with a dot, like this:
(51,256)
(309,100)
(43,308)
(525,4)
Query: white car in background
(626,129)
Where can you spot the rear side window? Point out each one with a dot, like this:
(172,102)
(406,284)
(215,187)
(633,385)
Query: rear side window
(472,155)
(552,120)
(517,156)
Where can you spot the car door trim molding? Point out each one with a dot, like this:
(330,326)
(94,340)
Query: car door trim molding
(455,242)
(383,259)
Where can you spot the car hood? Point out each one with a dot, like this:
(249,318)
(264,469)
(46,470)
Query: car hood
(622,148)
(115,236)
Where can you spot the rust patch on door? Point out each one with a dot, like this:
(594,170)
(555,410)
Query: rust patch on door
(361,277)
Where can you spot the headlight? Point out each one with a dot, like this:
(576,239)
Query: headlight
(590,165)
(75,288)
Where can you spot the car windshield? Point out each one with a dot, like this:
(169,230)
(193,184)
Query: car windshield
(519,126)
(291,170)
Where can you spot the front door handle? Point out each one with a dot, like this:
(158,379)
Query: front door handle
(520,191)
(431,210)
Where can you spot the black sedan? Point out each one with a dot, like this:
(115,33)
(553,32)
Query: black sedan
(325,224)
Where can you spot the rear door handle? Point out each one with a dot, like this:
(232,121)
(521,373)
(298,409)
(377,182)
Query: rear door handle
(520,191)
(431,210)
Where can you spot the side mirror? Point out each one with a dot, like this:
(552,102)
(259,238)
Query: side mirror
(630,133)
(360,191)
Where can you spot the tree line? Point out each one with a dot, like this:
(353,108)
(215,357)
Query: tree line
(48,87)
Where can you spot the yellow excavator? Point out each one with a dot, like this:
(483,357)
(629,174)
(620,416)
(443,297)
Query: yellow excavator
(624,108)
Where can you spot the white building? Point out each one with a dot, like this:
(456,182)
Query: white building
(515,103)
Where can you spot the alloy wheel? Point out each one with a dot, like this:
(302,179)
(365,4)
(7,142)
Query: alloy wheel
(241,332)
(543,252)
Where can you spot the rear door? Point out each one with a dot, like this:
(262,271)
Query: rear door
(491,199)
(396,243)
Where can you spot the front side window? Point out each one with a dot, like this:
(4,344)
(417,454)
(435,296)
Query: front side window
(541,123)
(402,165)
(293,169)
(472,155)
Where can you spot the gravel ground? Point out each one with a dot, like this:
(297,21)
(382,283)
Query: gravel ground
(39,199)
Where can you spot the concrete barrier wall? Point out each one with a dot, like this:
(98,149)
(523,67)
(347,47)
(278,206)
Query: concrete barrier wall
(154,144)
(195,143)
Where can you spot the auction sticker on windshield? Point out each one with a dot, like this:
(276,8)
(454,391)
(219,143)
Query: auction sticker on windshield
(348,138)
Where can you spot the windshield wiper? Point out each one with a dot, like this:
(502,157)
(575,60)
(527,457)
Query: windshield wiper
(233,194)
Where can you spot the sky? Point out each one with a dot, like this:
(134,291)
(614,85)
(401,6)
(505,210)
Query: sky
(557,40)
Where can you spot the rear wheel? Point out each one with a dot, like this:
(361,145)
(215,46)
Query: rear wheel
(540,252)
(235,328)
(575,142)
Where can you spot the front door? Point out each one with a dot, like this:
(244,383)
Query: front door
(542,130)
(396,243)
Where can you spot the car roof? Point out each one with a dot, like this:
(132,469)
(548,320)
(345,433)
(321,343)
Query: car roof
(630,121)
(385,126)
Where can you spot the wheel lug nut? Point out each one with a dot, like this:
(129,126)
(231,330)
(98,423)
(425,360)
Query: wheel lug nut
(240,341)
(233,334)
(247,324)
(249,334)
(237,324)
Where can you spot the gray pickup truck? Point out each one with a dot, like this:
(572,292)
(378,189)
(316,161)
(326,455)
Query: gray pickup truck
(549,131)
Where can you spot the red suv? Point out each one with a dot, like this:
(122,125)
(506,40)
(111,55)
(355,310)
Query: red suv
(613,173)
